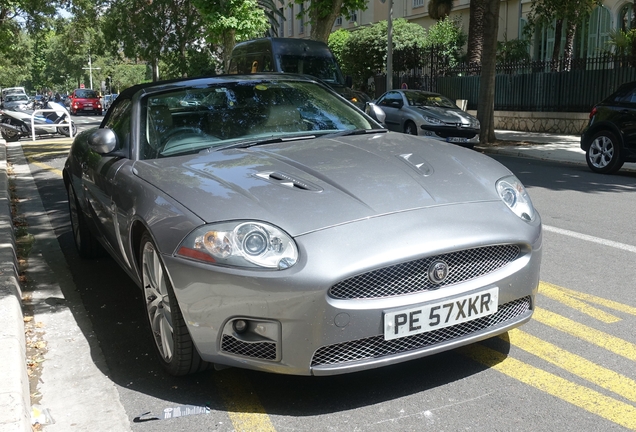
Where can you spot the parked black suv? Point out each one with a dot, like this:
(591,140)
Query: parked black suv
(609,140)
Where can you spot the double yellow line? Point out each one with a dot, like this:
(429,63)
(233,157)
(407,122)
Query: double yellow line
(607,407)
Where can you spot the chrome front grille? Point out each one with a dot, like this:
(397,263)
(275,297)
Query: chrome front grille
(376,347)
(259,350)
(411,277)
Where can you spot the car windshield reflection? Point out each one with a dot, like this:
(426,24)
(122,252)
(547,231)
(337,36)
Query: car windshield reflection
(225,114)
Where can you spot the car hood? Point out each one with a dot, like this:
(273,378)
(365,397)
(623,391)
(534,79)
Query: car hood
(303,186)
(448,115)
(16,105)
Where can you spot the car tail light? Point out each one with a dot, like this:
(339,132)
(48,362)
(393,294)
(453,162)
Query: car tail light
(593,112)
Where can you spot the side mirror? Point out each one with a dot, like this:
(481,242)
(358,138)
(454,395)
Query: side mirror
(395,104)
(103,141)
(375,112)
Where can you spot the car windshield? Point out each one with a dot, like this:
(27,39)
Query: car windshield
(429,100)
(86,94)
(16,98)
(324,68)
(243,113)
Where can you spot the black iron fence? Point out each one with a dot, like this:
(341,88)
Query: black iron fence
(563,86)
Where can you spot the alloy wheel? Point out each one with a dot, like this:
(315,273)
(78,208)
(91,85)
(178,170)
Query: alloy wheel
(157,302)
(601,152)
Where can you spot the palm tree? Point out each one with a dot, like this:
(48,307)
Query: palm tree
(273,14)
(475,32)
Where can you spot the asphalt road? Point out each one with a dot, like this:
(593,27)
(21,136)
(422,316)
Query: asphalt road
(569,369)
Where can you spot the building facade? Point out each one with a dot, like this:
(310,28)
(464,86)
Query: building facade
(592,37)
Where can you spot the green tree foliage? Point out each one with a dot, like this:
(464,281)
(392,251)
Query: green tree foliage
(15,63)
(322,14)
(230,21)
(363,54)
(152,30)
(513,50)
(621,42)
(447,34)
(338,42)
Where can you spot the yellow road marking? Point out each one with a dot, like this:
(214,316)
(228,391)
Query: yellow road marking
(591,298)
(603,377)
(46,167)
(567,299)
(578,395)
(589,334)
(243,406)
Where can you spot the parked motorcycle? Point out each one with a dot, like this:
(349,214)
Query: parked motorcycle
(17,124)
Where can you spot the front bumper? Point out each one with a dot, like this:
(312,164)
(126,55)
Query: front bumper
(296,327)
(463,136)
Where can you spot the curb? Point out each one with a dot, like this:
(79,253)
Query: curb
(14,386)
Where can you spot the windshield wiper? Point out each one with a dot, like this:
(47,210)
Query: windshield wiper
(354,132)
(271,140)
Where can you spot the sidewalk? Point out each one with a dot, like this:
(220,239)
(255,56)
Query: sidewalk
(15,408)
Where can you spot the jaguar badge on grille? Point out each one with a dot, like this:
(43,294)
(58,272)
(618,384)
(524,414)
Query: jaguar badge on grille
(438,271)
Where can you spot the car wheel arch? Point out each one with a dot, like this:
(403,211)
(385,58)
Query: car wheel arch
(603,126)
(137,231)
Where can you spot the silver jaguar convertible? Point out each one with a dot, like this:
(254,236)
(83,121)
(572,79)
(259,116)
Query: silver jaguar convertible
(272,225)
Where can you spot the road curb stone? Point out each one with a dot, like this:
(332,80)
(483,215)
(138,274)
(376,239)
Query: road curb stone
(14,385)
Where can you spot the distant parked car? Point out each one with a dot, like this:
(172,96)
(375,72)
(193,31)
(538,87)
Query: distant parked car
(609,140)
(418,112)
(16,102)
(85,101)
(108,100)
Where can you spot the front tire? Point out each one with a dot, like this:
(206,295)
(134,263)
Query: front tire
(64,130)
(604,154)
(410,128)
(10,136)
(173,343)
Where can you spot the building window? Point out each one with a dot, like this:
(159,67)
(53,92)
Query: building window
(599,31)
(354,17)
(339,21)
(626,17)
(301,24)
(418,3)
(291,19)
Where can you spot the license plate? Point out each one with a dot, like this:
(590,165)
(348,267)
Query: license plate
(88,108)
(457,139)
(445,313)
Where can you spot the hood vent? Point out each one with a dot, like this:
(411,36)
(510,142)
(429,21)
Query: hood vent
(417,163)
(289,181)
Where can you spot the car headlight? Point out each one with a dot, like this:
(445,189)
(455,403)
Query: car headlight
(241,244)
(512,192)
(432,120)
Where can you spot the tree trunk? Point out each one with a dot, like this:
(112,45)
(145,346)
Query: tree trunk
(568,50)
(155,69)
(475,32)
(229,40)
(486,104)
(321,24)
(558,29)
